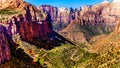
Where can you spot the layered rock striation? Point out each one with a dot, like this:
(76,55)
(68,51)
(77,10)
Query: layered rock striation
(60,17)
(96,19)
(104,14)
(20,17)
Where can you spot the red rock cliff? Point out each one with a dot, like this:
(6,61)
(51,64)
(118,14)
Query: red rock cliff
(26,20)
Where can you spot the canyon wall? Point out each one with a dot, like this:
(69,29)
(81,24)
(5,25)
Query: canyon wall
(99,18)
(4,46)
(60,17)
(18,16)
(104,13)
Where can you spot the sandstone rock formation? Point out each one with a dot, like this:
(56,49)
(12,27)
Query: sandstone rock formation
(25,19)
(60,17)
(51,10)
(28,21)
(29,29)
(33,26)
(101,15)
(11,3)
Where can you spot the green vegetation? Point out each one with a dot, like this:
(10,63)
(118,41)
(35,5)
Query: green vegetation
(61,57)
(59,26)
(5,11)
(92,30)
(19,62)
(107,43)
(69,56)
(79,56)
(109,59)
(19,58)
(65,56)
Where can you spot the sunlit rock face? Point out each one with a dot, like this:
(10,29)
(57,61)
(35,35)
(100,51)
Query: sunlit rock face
(110,12)
(51,10)
(63,9)
(4,46)
(85,9)
(102,15)
(26,20)
(60,17)
(29,28)
(6,3)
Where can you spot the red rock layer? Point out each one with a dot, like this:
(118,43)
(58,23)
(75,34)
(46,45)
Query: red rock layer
(31,30)
(29,22)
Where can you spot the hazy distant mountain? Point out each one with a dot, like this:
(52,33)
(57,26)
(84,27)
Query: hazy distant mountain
(95,19)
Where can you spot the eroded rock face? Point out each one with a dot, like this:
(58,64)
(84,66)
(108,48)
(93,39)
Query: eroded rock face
(4,46)
(103,15)
(29,29)
(28,21)
(9,3)
(51,10)
(60,17)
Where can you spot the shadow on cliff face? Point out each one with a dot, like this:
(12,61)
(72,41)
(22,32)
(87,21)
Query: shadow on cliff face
(54,39)
(41,34)
(35,32)
(14,58)
(20,59)
(38,33)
